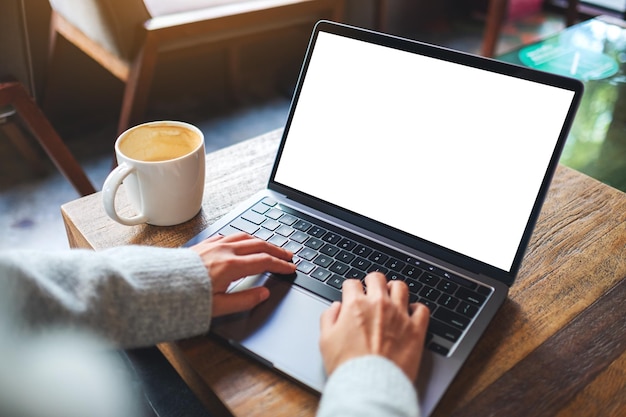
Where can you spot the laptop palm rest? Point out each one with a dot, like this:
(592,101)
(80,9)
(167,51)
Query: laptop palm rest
(282,332)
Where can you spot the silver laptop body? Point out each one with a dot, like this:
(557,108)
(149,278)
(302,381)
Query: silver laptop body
(440,157)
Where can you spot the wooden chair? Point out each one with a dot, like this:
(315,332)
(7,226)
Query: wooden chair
(125,39)
(17,104)
(13,96)
(496,15)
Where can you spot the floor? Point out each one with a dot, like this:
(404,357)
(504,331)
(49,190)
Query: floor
(29,204)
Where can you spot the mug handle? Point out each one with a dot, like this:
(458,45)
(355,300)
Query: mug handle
(109,191)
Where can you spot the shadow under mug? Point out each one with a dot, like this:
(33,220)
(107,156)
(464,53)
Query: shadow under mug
(162,166)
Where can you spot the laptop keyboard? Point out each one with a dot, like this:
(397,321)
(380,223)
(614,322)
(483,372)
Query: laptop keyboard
(326,257)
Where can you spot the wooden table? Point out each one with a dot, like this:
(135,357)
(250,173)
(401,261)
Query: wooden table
(557,346)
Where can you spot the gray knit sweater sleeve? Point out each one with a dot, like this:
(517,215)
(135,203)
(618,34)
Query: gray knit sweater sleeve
(132,296)
(368,386)
(138,296)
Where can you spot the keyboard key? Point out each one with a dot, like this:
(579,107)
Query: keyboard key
(378,268)
(346,244)
(448,301)
(308,254)
(292,246)
(431,305)
(284,230)
(321,274)
(336,281)
(301,225)
(339,268)
(244,226)
(355,274)
(274,214)
(263,234)
(288,219)
(314,243)
(437,348)
(430,293)
(451,318)
(378,257)
(361,264)
(444,330)
(470,296)
(229,230)
(305,267)
(446,286)
(253,217)
(412,272)
(329,249)
(414,262)
(331,237)
(394,276)
(345,256)
(278,240)
(429,279)
(362,251)
(323,260)
(299,237)
(413,285)
(486,291)
(467,310)
(461,281)
(270,224)
(269,201)
(316,231)
(260,208)
(394,264)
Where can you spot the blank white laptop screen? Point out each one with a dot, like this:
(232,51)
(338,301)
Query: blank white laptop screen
(448,153)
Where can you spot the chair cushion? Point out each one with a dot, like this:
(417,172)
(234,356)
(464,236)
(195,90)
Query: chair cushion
(166,7)
(111,23)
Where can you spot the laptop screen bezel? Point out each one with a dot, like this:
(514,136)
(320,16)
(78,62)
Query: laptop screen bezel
(421,245)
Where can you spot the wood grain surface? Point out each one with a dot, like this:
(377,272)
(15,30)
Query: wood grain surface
(556,347)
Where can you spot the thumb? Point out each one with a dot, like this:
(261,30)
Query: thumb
(239,301)
(329,317)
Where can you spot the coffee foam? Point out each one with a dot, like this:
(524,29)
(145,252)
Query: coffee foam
(154,143)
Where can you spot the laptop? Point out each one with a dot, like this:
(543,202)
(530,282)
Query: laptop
(427,164)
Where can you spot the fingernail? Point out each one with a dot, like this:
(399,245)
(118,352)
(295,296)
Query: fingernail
(264,294)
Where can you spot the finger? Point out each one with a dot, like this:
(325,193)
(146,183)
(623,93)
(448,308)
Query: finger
(261,262)
(238,301)
(237,237)
(351,289)
(329,317)
(420,316)
(399,293)
(376,284)
(255,245)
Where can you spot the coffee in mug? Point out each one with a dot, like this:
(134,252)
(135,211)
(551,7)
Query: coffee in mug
(162,167)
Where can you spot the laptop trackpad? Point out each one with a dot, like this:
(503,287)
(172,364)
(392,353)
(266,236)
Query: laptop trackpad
(282,332)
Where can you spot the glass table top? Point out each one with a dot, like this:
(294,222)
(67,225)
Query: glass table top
(593,51)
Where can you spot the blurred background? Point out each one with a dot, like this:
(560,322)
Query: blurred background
(229,66)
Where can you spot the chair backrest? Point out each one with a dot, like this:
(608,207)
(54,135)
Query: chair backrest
(114,24)
(15,59)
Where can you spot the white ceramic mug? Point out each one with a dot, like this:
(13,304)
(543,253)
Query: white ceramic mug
(162,167)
